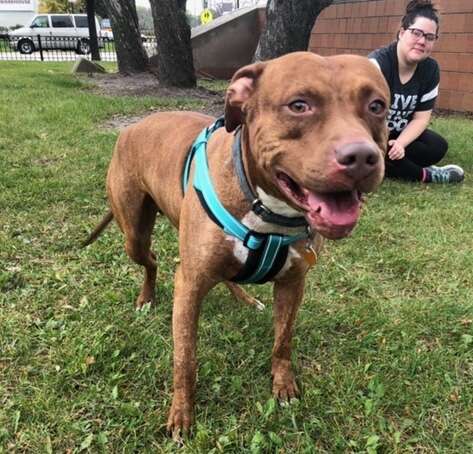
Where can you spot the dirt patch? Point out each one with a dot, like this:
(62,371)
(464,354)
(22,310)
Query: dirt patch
(121,121)
(146,84)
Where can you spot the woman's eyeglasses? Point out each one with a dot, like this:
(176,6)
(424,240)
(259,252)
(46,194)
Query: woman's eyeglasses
(418,34)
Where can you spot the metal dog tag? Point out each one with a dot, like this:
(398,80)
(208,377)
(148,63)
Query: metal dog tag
(310,256)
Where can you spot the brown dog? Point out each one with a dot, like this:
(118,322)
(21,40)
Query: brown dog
(313,137)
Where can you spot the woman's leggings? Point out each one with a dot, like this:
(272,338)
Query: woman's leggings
(428,149)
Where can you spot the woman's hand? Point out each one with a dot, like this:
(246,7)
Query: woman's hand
(411,132)
(396,151)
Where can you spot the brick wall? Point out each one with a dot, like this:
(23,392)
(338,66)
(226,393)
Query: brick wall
(363,25)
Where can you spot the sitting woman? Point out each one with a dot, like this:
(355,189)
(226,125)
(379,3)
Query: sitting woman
(413,78)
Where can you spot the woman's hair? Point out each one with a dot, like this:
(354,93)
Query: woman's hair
(419,8)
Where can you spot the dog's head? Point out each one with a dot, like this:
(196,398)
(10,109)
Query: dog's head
(316,131)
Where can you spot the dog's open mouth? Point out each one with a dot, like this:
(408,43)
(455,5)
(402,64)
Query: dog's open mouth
(332,214)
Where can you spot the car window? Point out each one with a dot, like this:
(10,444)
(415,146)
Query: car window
(62,22)
(40,22)
(81,21)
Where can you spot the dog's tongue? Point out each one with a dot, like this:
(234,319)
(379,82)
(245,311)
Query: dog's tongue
(333,215)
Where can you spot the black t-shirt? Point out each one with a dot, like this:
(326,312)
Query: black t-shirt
(418,94)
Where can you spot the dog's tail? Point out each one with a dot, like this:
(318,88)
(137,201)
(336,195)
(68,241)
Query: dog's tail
(99,229)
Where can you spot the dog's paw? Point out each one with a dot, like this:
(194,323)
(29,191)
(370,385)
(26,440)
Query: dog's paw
(285,388)
(259,305)
(144,304)
(144,308)
(179,423)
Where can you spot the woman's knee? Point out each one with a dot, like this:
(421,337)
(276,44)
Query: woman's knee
(437,144)
(443,145)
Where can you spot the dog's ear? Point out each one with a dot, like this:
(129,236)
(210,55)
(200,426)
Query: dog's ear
(241,88)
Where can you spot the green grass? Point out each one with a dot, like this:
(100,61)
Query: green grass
(383,344)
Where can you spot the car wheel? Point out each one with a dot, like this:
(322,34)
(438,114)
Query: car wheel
(83,46)
(25,46)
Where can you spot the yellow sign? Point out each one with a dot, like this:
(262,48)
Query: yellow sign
(206,16)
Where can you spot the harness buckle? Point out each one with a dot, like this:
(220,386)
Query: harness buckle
(257,235)
(259,208)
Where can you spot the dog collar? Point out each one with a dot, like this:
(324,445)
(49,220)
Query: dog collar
(257,205)
(267,251)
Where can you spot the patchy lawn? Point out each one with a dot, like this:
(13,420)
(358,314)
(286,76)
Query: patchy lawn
(383,344)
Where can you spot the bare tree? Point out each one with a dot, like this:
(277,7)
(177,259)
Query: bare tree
(173,63)
(288,26)
(131,55)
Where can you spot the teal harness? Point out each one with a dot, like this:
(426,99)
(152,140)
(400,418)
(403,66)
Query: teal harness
(267,252)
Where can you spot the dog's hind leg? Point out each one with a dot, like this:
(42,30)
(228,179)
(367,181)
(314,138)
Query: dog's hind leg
(136,217)
(242,295)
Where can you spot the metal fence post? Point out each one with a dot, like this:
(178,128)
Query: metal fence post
(40,48)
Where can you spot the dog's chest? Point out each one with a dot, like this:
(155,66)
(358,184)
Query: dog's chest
(253,222)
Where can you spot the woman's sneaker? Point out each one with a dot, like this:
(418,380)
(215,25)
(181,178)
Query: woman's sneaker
(446,174)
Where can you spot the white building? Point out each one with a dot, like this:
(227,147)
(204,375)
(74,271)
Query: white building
(17,12)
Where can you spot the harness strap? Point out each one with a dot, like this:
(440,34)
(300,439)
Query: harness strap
(202,138)
(262,265)
(231,225)
(245,276)
(267,252)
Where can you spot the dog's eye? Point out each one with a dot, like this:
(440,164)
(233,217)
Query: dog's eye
(299,106)
(377,107)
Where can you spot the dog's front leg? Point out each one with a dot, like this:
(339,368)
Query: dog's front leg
(188,293)
(287,298)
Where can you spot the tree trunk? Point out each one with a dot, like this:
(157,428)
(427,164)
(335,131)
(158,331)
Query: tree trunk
(288,26)
(131,55)
(100,9)
(94,47)
(173,63)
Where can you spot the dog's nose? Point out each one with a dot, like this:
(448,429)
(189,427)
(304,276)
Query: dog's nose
(358,159)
